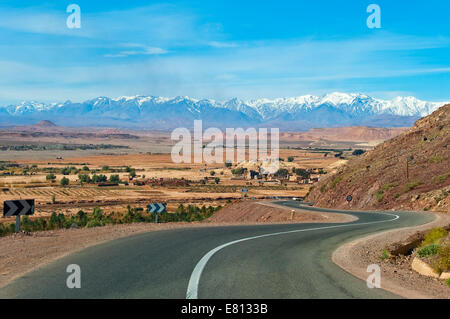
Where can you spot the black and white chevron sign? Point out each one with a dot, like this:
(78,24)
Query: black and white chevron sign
(18,207)
(157,208)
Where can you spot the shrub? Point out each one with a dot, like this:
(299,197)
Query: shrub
(380,195)
(282,172)
(238,171)
(410,186)
(428,250)
(66,171)
(97,213)
(301,172)
(212,173)
(290,158)
(358,152)
(50,177)
(99,178)
(385,254)
(443,262)
(433,236)
(336,181)
(436,159)
(114,179)
(98,218)
(93,223)
(84,178)
(442,178)
(64,181)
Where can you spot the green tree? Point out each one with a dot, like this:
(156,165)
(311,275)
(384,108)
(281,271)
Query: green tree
(114,179)
(358,152)
(84,178)
(238,171)
(66,171)
(282,172)
(64,181)
(50,177)
(99,178)
(290,158)
(301,172)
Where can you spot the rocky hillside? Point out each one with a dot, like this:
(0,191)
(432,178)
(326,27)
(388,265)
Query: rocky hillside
(345,134)
(408,172)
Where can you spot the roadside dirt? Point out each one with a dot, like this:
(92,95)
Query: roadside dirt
(22,253)
(397,275)
(267,212)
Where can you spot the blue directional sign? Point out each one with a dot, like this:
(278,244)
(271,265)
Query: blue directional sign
(157,208)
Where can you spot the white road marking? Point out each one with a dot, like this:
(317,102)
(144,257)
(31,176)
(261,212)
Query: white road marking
(192,290)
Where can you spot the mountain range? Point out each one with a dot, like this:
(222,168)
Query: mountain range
(161,113)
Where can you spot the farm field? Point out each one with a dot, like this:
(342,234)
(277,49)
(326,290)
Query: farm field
(116,169)
(51,197)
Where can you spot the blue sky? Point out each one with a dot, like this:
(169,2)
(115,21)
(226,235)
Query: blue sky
(223,49)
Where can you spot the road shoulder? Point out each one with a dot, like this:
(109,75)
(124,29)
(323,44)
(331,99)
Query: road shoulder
(354,257)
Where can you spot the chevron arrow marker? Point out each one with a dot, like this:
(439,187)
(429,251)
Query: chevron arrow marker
(10,211)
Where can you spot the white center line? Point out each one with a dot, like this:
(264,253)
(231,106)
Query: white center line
(192,290)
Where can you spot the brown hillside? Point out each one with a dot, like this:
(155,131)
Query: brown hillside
(378,179)
(345,134)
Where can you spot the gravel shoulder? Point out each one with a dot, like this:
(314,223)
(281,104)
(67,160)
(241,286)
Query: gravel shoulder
(23,253)
(397,275)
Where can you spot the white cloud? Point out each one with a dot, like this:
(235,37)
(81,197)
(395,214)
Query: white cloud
(217,44)
(141,50)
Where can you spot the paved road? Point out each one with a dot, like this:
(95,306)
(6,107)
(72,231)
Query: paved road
(265,261)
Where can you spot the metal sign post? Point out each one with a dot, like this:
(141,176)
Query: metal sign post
(349,199)
(17,223)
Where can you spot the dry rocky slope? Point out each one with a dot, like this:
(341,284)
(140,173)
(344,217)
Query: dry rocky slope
(408,172)
(345,134)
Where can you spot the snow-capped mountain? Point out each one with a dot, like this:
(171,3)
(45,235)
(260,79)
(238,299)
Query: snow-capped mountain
(295,113)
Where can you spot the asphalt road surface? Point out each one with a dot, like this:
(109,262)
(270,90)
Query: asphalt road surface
(262,261)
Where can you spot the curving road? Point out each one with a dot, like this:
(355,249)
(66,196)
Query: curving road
(261,261)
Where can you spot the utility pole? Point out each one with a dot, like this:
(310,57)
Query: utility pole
(407,169)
